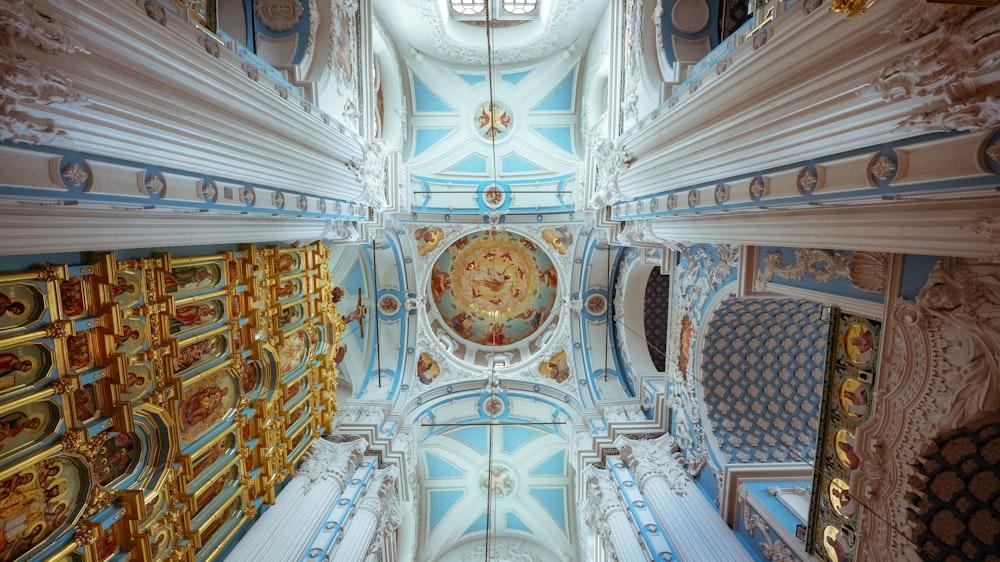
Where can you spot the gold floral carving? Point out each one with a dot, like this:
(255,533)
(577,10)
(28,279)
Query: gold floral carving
(75,174)
(50,273)
(100,500)
(250,512)
(883,167)
(87,447)
(57,330)
(87,534)
(63,386)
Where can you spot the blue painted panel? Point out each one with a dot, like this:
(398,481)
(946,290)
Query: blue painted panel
(916,269)
(559,136)
(472,79)
(559,98)
(839,286)
(440,468)
(516,436)
(513,522)
(514,77)
(440,502)
(552,466)
(478,525)
(474,437)
(426,138)
(554,502)
(425,100)
(472,164)
(513,163)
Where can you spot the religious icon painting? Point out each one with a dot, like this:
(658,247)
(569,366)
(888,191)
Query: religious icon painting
(294,352)
(74,295)
(127,289)
(839,495)
(205,402)
(196,317)
(836,544)
(41,501)
(224,520)
(137,383)
(85,407)
(106,545)
(132,338)
(289,263)
(859,344)
(215,487)
(250,377)
(290,316)
(427,238)
(220,448)
(844,449)
(427,368)
(118,456)
(79,352)
(27,426)
(288,290)
(296,390)
(160,543)
(191,356)
(25,365)
(22,306)
(556,368)
(193,278)
(854,398)
(298,416)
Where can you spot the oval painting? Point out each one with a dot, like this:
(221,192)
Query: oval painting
(127,290)
(27,426)
(853,396)
(132,338)
(840,498)
(859,344)
(138,381)
(835,545)
(205,402)
(844,447)
(196,316)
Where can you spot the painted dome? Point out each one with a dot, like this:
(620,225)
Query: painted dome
(493,287)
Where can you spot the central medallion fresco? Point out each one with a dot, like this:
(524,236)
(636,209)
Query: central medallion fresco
(493,287)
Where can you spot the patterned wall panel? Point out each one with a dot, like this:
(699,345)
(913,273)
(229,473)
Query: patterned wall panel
(656,316)
(956,512)
(762,377)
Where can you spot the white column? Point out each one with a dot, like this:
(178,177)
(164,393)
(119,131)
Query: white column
(377,516)
(695,530)
(604,512)
(284,531)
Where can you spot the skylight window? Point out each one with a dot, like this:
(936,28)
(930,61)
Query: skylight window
(468,7)
(503,13)
(519,7)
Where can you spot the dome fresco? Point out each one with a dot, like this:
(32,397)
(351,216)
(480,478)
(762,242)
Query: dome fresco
(494,287)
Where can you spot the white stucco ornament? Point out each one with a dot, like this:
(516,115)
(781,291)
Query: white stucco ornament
(279,15)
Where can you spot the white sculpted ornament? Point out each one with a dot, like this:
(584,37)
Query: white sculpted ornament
(279,15)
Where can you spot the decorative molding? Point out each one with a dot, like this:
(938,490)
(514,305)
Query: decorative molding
(611,160)
(923,18)
(945,70)
(27,82)
(328,460)
(279,15)
(940,374)
(370,173)
(773,549)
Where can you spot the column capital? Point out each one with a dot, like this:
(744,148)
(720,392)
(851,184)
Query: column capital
(331,460)
(655,458)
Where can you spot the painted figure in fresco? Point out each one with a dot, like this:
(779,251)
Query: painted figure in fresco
(427,369)
(10,363)
(190,354)
(560,238)
(192,315)
(106,545)
(555,368)
(71,295)
(83,404)
(248,377)
(548,276)
(121,340)
(14,423)
(845,451)
(121,287)
(859,344)
(289,316)
(286,289)
(841,499)
(114,458)
(462,324)
(155,546)
(200,406)
(496,334)
(836,549)
(285,263)
(209,494)
(7,305)
(427,238)
(24,504)
(132,379)
(78,348)
(532,317)
(181,278)
(854,398)
(440,283)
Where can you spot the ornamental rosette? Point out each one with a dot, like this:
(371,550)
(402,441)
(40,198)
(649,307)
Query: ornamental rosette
(279,15)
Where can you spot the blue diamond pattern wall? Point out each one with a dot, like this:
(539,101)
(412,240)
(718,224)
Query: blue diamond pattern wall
(762,377)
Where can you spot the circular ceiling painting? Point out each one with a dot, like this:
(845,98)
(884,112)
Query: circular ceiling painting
(494,288)
(493,120)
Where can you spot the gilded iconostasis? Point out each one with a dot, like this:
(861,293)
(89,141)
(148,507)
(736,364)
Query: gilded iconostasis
(149,406)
